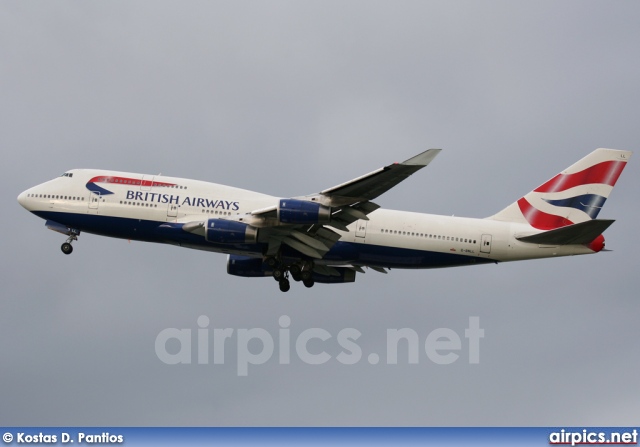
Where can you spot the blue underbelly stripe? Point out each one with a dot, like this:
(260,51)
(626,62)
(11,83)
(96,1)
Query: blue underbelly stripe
(172,233)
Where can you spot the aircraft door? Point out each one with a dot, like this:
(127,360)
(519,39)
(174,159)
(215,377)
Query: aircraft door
(361,228)
(94,200)
(147,182)
(485,244)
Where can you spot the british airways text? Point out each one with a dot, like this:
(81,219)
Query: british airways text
(189,201)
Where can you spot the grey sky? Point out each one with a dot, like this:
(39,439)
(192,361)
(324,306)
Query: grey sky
(289,98)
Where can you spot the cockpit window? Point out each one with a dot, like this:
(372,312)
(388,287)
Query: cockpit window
(67,174)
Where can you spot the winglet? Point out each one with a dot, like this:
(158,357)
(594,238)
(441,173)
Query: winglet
(422,159)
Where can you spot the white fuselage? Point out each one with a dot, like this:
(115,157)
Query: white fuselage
(132,206)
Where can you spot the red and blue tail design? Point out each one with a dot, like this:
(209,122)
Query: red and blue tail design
(575,195)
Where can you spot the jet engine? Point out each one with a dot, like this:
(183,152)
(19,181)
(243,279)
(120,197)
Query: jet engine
(247,267)
(222,231)
(292,211)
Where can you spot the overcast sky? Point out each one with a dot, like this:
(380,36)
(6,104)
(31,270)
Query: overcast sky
(289,98)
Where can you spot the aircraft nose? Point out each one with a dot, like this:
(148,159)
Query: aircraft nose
(22,199)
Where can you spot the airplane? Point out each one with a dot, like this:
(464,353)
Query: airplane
(329,236)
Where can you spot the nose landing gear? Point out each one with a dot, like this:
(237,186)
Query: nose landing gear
(67,248)
(72,234)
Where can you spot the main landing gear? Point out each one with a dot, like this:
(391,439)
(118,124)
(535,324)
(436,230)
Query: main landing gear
(67,248)
(298,271)
(284,285)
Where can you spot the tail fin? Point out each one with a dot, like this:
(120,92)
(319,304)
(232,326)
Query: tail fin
(575,195)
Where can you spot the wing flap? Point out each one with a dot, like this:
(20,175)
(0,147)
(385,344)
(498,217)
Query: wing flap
(310,241)
(377,269)
(326,270)
(354,213)
(302,248)
(329,235)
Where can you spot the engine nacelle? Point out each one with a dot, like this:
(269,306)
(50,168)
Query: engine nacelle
(346,275)
(222,231)
(292,211)
(247,266)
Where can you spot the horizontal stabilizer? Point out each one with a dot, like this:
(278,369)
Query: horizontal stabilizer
(580,233)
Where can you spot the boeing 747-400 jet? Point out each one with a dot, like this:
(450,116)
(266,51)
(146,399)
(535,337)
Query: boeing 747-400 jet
(329,236)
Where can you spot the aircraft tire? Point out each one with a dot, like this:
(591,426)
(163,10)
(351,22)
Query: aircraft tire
(284,285)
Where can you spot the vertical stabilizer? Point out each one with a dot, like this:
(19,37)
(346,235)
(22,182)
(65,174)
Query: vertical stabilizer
(575,195)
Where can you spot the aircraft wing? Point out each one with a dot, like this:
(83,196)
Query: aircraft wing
(346,202)
(373,184)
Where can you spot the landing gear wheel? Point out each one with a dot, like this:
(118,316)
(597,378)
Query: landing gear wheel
(295,269)
(306,275)
(296,276)
(66,248)
(308,283)
(284,285)
(278,274)
(271,261)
